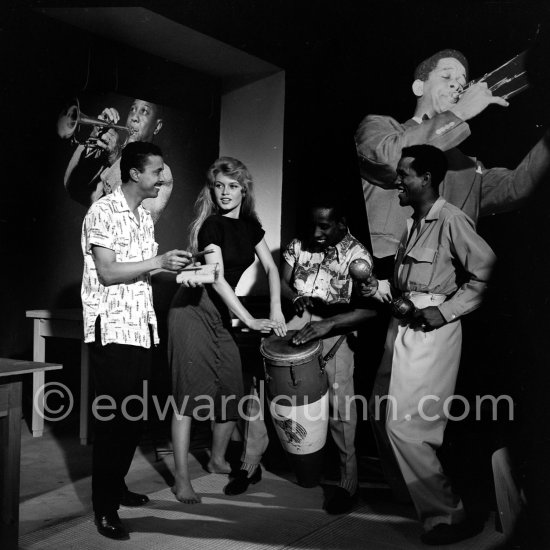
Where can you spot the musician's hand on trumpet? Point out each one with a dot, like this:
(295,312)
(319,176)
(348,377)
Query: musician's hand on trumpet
(110,114)
(105,135)
(475,99)
(107,139)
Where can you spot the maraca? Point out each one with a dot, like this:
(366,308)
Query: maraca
(403,308)
(361,272)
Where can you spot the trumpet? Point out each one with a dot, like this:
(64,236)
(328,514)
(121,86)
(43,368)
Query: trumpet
(508,80)
(71,117)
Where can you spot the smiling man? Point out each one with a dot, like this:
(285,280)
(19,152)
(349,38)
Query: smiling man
(316,280)
(442,266)
(440,119)
(120,325)
(95,172)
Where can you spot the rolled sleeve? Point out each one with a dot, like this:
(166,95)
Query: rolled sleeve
(98,230)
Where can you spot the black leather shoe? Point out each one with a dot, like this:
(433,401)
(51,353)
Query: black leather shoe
(239,484)
(340,502)
(109,525)
(133,499)
(445,533)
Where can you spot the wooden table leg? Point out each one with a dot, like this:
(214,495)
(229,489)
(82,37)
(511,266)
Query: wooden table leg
(84,393)
(10,453)
(38,380)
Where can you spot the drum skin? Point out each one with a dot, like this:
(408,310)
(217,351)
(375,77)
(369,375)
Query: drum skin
(292,370)
(297,389)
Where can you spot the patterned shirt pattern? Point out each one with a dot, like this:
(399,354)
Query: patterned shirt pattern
(126,309)
(325,275)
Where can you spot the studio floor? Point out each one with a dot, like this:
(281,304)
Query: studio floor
(55,509)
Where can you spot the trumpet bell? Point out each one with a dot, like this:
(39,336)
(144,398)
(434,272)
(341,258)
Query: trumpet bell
(68,121)
(71,117)
(507,80)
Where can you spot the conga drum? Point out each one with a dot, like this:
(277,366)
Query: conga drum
(297,391)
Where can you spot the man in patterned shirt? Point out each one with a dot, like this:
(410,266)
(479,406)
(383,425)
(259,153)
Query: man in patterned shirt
(118,243)
(317,281)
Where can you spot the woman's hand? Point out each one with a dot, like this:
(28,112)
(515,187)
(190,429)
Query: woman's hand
(277,317)
(261,325)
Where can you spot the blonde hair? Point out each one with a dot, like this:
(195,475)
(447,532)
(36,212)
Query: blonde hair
(205,205)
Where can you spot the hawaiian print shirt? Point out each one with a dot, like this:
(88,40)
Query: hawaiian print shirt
(325,274)
(126,309)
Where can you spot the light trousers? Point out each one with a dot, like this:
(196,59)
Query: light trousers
(418,375)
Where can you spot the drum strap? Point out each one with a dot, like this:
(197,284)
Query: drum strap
(330,355)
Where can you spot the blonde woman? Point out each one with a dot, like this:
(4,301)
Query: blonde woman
(205,361)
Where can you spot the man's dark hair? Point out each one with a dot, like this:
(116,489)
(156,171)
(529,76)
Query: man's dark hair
(332,201)
(427,158)
(423,70)
(135,155)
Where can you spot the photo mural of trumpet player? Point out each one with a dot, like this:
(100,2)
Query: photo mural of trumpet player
(444,105)
(94,169)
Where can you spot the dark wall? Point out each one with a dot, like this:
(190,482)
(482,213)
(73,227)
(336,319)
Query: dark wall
(45,63)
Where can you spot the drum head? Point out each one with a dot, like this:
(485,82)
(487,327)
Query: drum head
(281,350)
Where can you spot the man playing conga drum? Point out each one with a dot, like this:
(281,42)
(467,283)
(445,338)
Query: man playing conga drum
(316,279)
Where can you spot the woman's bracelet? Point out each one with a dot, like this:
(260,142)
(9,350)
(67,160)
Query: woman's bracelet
(296,298)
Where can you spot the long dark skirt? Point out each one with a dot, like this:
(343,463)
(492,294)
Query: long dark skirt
(206,365)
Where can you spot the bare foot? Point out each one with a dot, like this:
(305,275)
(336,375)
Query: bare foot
(215,467)
(184,491)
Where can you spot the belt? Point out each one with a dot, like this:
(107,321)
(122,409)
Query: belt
(424,299)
